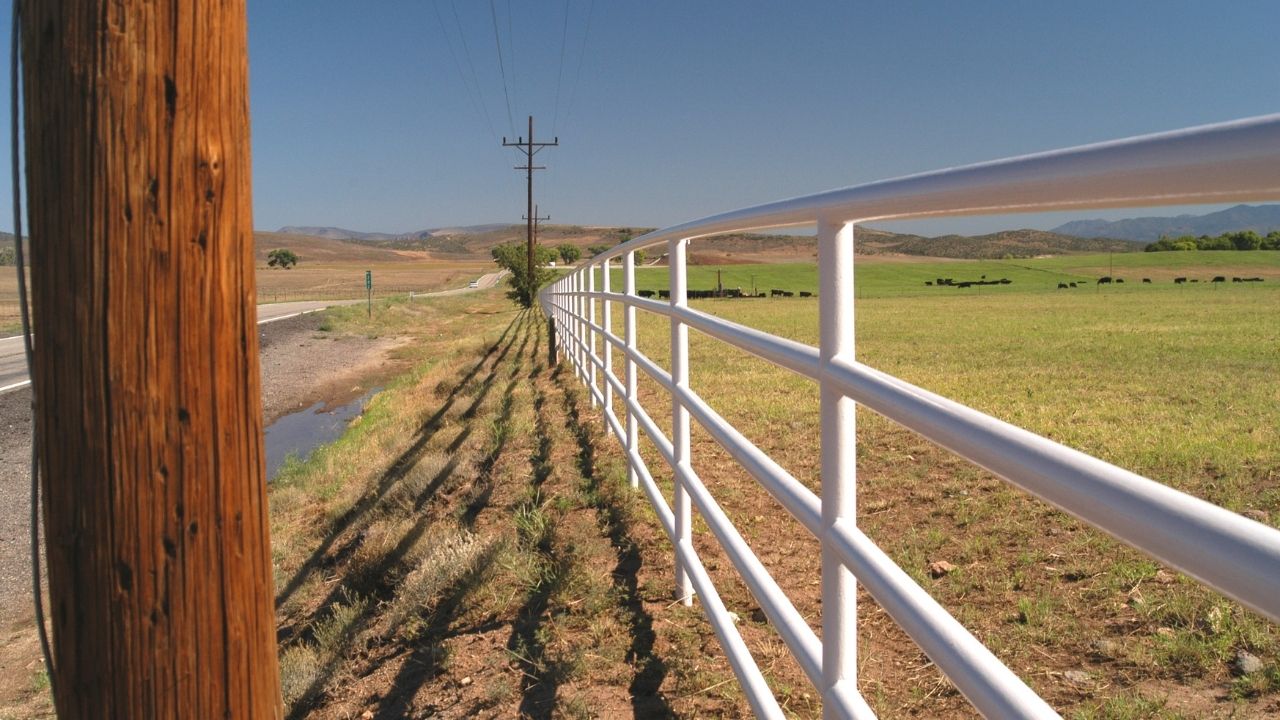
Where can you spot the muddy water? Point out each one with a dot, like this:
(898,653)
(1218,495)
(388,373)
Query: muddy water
(302,432)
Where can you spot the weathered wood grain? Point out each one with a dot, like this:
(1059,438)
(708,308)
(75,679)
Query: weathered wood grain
(138,168)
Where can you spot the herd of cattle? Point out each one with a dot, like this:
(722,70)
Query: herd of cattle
(725,293)
(1104,280)
(1107,280)
(939,282)
(952,282)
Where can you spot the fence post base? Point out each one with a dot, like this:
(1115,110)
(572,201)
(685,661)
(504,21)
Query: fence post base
(552,361)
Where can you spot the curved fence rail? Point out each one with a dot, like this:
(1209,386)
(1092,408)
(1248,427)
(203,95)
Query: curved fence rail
(1237,161)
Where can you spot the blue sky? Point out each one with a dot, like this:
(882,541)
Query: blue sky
(366,117)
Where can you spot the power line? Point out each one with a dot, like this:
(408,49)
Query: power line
(511,55)
(564,34)
(582,53)
(472,93)
(475,79)
(497,40)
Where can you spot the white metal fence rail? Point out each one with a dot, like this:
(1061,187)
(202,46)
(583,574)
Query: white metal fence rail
(1237,161)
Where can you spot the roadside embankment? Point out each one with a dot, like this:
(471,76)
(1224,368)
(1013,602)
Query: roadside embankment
(303,362)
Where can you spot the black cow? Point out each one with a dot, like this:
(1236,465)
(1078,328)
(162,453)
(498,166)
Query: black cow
(645,293)
(664,293)
(1219,278)
(1179,281)
(1119,280)
(1146,281)
(928,283)
(1106,280)
(1073,285)
(777,293)
(1062,286)
(805,293)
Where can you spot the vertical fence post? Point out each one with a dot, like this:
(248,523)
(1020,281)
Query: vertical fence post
(591,333)
(566,318)
(582,328)
(629,326)
(576,304)
(679,414)
(607,322)
(839,591)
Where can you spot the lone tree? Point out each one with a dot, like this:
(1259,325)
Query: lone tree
(513,258)
(569,253)
(282,258)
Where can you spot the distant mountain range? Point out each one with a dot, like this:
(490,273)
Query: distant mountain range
(335,233)
(1261,218)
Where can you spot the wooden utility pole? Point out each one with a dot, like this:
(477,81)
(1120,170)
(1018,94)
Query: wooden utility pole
(537,221)
(530,148)
(146,367)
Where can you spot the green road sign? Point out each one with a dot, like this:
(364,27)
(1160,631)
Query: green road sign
(368,279)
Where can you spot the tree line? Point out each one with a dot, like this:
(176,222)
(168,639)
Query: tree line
(1237,240)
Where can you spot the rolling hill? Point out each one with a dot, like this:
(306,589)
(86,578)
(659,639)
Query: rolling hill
(1006,243)
(735,248)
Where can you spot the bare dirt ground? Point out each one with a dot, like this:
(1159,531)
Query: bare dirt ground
(300,366)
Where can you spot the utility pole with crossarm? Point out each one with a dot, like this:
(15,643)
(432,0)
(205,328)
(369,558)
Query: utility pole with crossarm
(537,220)
(530,148)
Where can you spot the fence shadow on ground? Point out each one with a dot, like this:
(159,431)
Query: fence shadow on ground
(407,459)
(650,670)
(374,586)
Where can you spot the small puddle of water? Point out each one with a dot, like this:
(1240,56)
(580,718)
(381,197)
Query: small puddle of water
(301,432)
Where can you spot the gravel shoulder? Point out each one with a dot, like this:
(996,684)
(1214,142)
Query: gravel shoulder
(303,365)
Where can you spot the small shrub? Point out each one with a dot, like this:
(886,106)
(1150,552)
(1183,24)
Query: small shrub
(449,559)
(299,668)
(335,632)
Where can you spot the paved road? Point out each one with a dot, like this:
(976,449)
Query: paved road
(13,363)
(485,282)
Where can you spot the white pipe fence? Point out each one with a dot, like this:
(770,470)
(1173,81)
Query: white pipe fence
(1230,162)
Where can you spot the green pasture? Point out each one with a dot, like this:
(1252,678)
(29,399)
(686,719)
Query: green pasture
(1174,383)
(880,278)
(1169,383)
